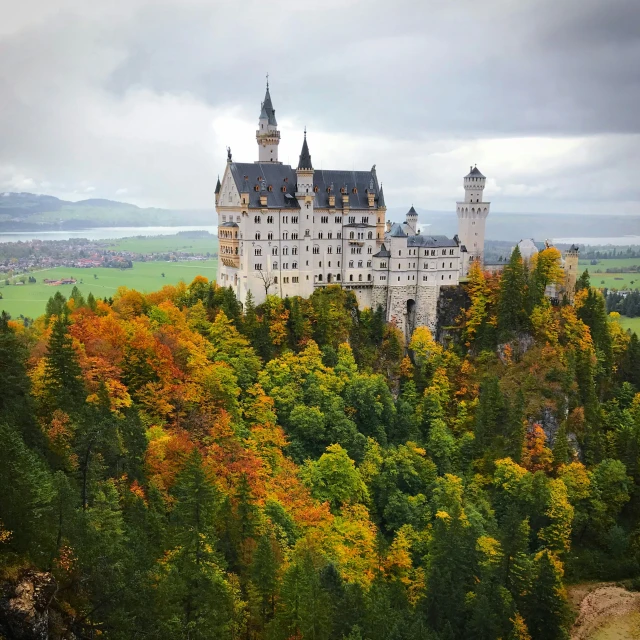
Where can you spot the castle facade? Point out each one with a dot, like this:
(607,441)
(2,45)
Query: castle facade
(288,231)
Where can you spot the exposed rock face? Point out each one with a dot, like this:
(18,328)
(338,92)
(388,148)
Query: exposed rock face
(24,606)
(452,301)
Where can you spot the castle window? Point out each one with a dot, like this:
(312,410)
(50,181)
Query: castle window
(258,252)
(399,252)
(270,188)
(294,265)
(339,235)
(258,235)
(285,280)
(257,266)
(369,250)
(359,264)
(256,219)
(315,189)
(294,251)
(285,251)
(294,219)
(450,252)
(274,251)
(352,219)
(449,276)
(444,252)
(443,265)
(269,219)
(338,220)
(329,263)
(383,277)
(398,278)
(285,265)
(338,263)
(329,235)
(370,235)
(275,280)
(368,263)
(383,265)
(442,277)
(294,279)
(399,267)
(365,219)
(360,278)
(351,278)
(274,265)
(360,236)
(338,249)
(433,253)
(269,236)
(450,265)
(283,189)
(319,235)
(369,277)
(351,235)
(285,219)
(316,250)
(350,264)
(354,190)
(224,218)
(424,278)
(324,219)
(329,249)
(320,264)
(256,188)
(338,277)
(294,235)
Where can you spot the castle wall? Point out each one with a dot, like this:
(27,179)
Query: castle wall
(379,298)
(427,306)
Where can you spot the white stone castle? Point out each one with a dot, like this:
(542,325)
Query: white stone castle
(287,232)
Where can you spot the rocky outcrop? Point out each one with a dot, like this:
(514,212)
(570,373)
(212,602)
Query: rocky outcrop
(25,606)
(452,301)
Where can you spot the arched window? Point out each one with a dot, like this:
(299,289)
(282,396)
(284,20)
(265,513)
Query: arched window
(360,277)
(351,278)
(350,264)
(359,264)
(370,235)
(257,235)
(351,236)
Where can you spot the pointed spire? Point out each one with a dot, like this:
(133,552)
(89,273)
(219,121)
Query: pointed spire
(381,198)
(267,107)
(218,185)
(305,156)
(412,212)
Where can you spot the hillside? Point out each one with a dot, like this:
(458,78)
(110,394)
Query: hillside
(175,466)
(32,212)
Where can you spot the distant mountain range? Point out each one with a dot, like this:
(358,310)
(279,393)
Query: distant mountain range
(34,212)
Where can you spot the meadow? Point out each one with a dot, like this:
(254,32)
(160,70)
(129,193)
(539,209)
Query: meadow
(609,263)
(165,244)
(631,323)
(30,299)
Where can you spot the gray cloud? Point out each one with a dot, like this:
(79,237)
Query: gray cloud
(140,98)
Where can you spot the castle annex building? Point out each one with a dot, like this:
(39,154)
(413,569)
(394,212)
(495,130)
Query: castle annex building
(287,231)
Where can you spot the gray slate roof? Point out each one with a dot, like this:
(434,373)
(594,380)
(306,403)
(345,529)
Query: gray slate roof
(267,107)
(278,175)
(474,173)
(431,241)
(412,212)
(383,253)
(305,156)
(396,231)
(218,185)
(229,224)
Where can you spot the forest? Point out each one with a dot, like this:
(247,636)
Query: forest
(175,465)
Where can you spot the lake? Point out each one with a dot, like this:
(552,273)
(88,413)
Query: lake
(100,233)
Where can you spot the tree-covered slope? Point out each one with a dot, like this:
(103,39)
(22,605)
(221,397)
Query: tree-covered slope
(177,467)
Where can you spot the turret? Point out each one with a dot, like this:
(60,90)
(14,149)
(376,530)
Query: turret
(267,135)
(472,215)
(412,220)
(305,173)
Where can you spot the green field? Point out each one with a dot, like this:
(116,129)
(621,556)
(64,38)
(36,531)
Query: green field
(631,323)
(30,299)
(165,244)
(609,263)
(615,280)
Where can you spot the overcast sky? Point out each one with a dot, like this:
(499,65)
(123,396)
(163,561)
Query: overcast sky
(137,100)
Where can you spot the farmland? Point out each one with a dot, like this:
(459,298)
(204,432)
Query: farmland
(30,299)
(631,323)
(165,244)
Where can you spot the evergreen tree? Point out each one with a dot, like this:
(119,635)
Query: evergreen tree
(561,446)
(63,384)
(512,317)
(548,613)
(490,415)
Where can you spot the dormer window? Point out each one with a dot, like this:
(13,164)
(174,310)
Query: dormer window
(284,189)
(315,189)
(256,188)
(270,188)
(354,190)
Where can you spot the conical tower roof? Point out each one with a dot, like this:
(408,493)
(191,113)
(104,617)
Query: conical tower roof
(305,156)
(267,108)
(218,185)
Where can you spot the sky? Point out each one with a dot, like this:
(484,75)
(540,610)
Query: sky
(137,101)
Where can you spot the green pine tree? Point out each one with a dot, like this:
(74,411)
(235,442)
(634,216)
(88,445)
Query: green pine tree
(512,317)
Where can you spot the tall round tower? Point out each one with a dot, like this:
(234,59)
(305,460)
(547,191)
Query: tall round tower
(267,135)
(472,215)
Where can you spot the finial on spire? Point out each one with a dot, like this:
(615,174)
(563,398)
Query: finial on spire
(305,131)
(267,79)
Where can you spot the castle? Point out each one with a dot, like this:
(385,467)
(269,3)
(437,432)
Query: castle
(289,231)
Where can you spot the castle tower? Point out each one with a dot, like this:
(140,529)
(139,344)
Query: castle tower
(412,220)
(571,271)
(472,215)
(305,194)
(267,135)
